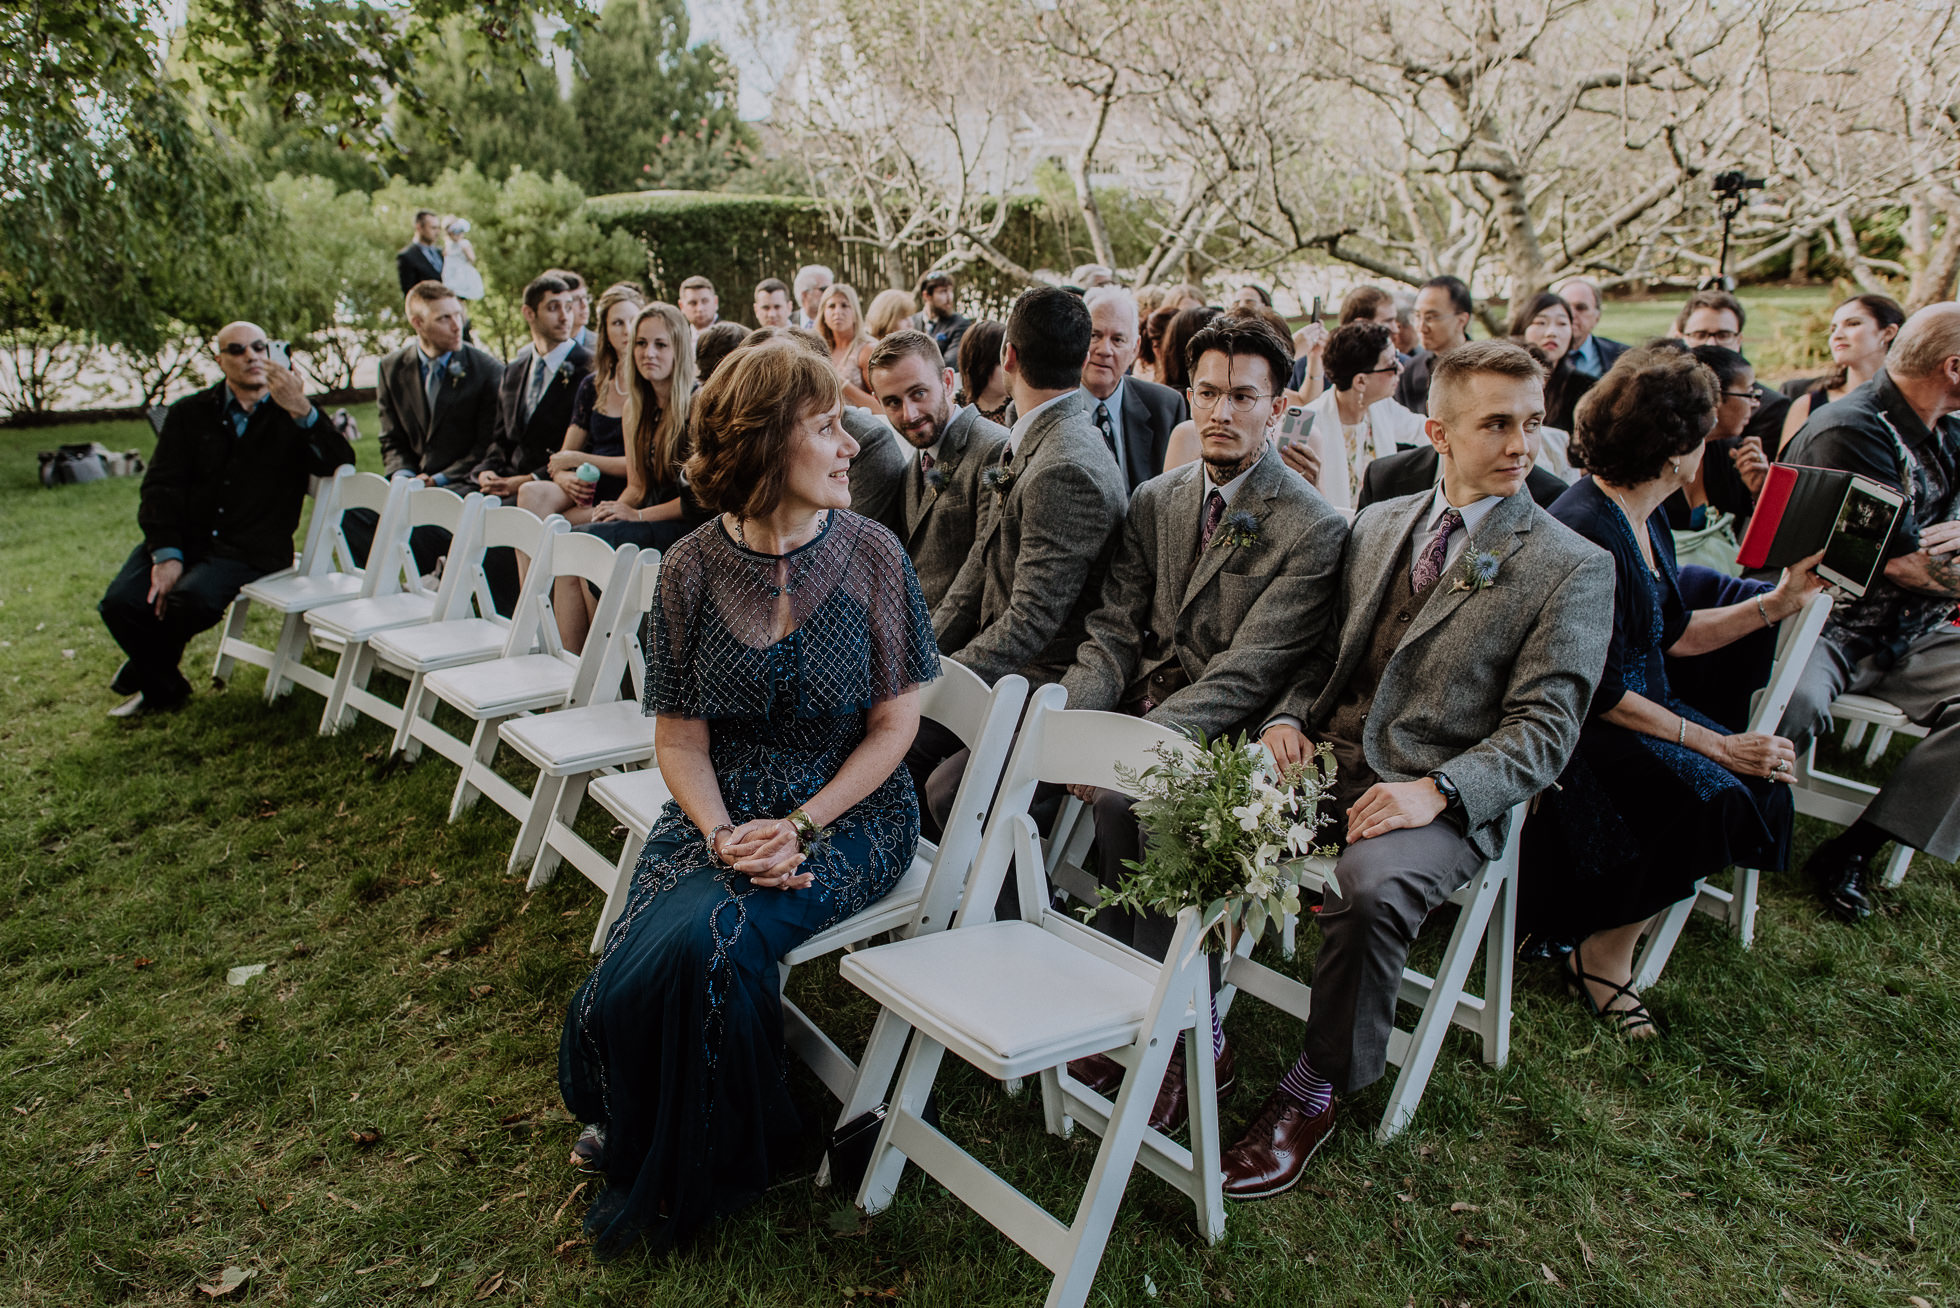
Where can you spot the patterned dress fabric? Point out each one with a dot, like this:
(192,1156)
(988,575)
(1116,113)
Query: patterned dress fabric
(674,1043)
(1635,820)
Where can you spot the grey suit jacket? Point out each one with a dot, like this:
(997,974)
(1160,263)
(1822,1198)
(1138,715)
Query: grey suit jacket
(877,473)
(938,522)
(1023,596)
(457,436)
(1489,686)
(1242,621)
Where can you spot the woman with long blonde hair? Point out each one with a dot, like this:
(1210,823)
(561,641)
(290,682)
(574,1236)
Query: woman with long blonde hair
(840,321)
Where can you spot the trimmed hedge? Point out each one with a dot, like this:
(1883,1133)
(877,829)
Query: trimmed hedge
(736,241)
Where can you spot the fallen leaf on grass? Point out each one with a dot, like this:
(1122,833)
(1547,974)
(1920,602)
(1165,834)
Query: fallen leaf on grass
(1551,1277)
(238,976)
(483,992)
(141,963)
(1916,1302)
(489,1287)
(846,1221)
(564,1247)
(364,1137)
(1460,1207)
(567,1204)
(228,1280)
(428,1282)
(1585,1249)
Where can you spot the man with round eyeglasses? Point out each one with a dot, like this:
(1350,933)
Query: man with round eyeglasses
(219,506)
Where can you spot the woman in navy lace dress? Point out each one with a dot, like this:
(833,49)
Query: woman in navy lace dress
(788,644)
(1658,795)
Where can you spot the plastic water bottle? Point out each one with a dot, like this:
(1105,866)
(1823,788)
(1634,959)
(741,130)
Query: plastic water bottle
(588,473)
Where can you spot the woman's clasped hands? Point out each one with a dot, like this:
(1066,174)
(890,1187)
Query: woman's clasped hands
(767,851)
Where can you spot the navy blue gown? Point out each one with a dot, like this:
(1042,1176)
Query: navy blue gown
(674,1044)
(1635,820)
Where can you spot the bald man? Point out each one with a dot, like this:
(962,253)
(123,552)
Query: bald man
(1592,353)
(219,506)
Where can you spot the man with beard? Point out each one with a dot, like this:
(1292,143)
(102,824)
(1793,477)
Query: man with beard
(1225,585)
(937,512)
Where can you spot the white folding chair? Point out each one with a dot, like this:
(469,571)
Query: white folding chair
(394,594)
(602,734)
(1487,917)
(521,682)
(412,653)
(1841,800)
(1796,637)
(1024,997)
(324,574)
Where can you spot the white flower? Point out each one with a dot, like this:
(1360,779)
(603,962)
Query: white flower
(1299,838)
(1249,816)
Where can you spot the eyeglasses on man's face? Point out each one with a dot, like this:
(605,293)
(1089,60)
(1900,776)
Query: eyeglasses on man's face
(1753,396)
(238,349)
(1394,365)
(1207,398)
(1711,338)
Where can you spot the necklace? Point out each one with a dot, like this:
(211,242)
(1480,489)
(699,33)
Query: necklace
(619,388)
(1639,544)
(741,538)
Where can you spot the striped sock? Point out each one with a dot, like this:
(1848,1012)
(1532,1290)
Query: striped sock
(1305,1089)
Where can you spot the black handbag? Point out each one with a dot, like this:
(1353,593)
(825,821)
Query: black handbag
(850,1144)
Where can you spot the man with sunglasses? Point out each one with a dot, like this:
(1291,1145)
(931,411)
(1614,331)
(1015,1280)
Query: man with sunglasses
(219,506)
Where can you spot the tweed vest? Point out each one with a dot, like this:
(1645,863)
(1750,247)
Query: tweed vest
(1400,604)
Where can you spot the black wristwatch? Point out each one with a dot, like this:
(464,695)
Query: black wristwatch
(1452,801)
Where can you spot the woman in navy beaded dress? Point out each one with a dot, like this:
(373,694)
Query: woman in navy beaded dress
(1658,795)
(786,650)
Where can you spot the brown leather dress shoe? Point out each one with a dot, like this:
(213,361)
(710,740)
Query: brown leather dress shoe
(1173,1107)
(1099,1072)
(1273,1152)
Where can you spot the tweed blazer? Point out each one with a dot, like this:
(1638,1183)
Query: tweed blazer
(1488,685)
(1021,601)
(937,521)
(454,438)
(1241,620)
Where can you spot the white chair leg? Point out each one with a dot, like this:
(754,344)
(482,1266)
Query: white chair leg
(1660,940)
(622,886)
(1854,734)
(233,629)
(285,653)
(1895,866)
(483,748)
(529,846)
(346,674)
(1500,949)
(1054,1108)
(1881,741)
(1201,1091)
(419,704)
(887,1165)
(1742,905)
(1437,1015)
(1289,935)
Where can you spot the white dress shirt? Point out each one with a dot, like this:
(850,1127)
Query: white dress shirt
(1115,406)
(1473,515)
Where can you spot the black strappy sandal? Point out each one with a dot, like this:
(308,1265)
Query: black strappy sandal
(1626,1022)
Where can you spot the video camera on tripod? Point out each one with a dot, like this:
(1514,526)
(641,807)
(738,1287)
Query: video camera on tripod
(1730,187)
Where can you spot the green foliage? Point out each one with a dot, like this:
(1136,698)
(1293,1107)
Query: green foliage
(1129,218)
(495,116)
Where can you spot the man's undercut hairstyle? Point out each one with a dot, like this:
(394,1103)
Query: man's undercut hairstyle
(1652,406)
(1362,304)
(543,285)
(891,349)
(420,214)
(1726,364)
(932,281)
(1239,335)
(1452,372)
(1111,293)
(1711,300)
(744,419)
(1048,329)
(1460,301)
(1353,349)
(698,283)
(425,295)
(1929,338)
(769,286)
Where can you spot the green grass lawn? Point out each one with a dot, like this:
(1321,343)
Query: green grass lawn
(1790,1140)
(1784,335)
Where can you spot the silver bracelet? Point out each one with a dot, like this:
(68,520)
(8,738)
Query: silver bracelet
(1763,609)
(1681,736)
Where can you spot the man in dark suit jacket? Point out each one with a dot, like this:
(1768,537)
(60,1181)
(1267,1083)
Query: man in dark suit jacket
(936,512)
(421,259)
(1407,472)
(1592,353)
(1134,416)
(1443,309)
(220,502)
(534,399)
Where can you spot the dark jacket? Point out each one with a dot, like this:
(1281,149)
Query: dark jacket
(1408,472)
(524,446)
(212,494)
(416,263)
(1412,387)
(1150,413)
(457,436)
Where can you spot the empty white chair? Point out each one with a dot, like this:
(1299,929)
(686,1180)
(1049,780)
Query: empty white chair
(601,734)
(520,682)
(394,594)
(324,574)
(412,653)
(1796,636)
(1841,800)
(1024,997)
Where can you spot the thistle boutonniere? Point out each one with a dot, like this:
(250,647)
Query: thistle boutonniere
(1479,572)
(1240,529)
(565,371)
(936,479)
(999,478)
(456,371)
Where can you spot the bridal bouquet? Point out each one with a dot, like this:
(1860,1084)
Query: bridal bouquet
(1225,833)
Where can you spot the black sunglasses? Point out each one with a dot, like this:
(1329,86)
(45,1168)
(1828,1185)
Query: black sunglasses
(236,348)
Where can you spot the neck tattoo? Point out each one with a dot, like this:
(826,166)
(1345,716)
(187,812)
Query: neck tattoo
(1218,474)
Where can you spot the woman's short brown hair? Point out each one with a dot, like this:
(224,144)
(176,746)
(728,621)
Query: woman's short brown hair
(742,422)
(1652,405)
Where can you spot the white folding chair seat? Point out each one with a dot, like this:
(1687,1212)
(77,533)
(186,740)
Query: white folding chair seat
(599,733)
(414,652)
(1796,637)
(1841,800)
(1018,998)
(488,693)
(324,573)
(393,594)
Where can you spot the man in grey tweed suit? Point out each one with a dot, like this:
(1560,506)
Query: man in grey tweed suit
(937,508)
(1048,520)
(1222,592)
(1475,629)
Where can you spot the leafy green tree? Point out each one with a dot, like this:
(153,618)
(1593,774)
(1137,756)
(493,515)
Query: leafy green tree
(495,115)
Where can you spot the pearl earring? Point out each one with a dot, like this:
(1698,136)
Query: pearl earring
(1676,465)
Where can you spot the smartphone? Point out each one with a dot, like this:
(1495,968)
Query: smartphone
(280,353)
(1316,310)
(1295,425)
(1857,545)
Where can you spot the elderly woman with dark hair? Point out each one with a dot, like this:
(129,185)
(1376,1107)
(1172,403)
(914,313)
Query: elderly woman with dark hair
(787,646)
(1657,795)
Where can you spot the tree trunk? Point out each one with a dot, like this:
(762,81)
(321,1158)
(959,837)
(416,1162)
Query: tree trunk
(1932,279)
(1800,261)
(1078,171)
(1524,259)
